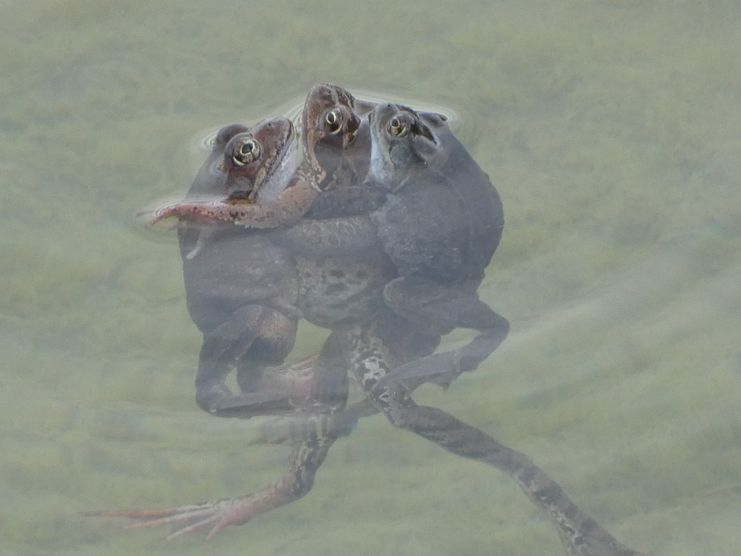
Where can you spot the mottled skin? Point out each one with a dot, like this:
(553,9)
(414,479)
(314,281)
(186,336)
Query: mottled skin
(442,259)
(372,348)
(440,224)
(341,292)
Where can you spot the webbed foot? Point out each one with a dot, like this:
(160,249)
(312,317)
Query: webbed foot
(207,516)
(212,517)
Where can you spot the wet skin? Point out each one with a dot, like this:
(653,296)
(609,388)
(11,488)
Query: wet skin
(373,341)
(441,258)
(440,224)
(241,288)
(244,291)
(342,292)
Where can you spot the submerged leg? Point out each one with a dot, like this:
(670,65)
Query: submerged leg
(293,429)
(439,308)
(212,517)
(436,306)
(403,343)
(580,534)
(253,337)
(296,482)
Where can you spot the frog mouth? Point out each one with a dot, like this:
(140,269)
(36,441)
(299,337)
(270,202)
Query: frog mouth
(282,172)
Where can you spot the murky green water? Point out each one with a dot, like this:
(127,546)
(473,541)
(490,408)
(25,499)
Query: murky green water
(611,130)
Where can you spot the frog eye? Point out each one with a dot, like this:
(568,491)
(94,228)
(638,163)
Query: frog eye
(333,121)
(246,152)
(397,128)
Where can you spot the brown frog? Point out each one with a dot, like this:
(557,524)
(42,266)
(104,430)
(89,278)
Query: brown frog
(373,346)
(241,288)
(340,292)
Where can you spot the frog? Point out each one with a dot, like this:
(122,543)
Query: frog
(440,224)
(241,288)
(373,346)
(329,124)
(439,227)
(372,349)
(258,182)
(338,291)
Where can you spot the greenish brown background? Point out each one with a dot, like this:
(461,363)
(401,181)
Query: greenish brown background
(610,128)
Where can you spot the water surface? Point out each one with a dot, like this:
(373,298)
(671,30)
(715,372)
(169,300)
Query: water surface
(610,130)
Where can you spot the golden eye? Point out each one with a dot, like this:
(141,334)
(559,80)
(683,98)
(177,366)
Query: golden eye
(333,121)
(246,152)
(397,128)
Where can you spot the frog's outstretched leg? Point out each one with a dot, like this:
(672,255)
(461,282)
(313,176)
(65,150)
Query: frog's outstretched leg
(440,308)
(304,462)
(580,534)
(212,517)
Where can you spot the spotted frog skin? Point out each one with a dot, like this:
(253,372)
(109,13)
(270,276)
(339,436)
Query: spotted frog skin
(375,340)
(439,225)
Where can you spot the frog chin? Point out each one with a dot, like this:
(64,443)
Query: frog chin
(282,175)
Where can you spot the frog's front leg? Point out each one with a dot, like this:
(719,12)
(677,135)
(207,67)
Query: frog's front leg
(347,200)
(287,209)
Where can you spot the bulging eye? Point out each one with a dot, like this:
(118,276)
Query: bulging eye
(333,121)
(397,128)
(246,152)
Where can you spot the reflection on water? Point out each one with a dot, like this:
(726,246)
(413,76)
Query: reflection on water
(610,131)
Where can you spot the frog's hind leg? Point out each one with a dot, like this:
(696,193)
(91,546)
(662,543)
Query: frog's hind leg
(580,534)
(254,336)
(212,517)
(439,308)
(316,384)
(307,455)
